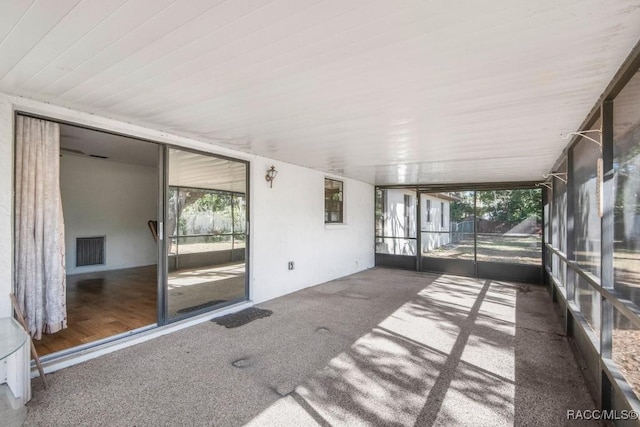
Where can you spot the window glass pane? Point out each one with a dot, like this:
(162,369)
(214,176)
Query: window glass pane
(333,201)
(510,226)
(626,349)
(586,219)
(206,222)
(202,211)
(448,225)
(626,150)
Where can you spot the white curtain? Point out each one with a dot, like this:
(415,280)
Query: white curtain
(40,274)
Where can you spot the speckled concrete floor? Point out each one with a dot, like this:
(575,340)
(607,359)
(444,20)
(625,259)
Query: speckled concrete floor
(381,347)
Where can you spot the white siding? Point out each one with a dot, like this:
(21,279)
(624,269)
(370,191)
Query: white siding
(399,223)
(432,225)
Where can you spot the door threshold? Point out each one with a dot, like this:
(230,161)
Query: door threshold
(75,355)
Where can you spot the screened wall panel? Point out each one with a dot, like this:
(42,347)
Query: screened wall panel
(626,150)
(491,233)
(586,220)
(626,241)
(396,222)
(509,226)
(560,224)
(447,225)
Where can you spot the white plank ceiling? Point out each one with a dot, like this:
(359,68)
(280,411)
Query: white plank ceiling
(385,91)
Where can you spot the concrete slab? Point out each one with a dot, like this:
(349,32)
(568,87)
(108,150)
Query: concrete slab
(381,347)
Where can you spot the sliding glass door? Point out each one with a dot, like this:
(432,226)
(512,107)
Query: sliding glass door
(205,229)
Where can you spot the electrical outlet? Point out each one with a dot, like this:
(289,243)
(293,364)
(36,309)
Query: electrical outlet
(290,265)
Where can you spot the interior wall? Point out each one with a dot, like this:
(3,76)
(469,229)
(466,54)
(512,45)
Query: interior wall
(112,199)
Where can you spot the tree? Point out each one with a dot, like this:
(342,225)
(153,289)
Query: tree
(510,206)
(463,207)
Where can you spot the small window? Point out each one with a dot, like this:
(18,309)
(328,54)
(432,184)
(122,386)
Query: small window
(441,214)
(428,210)
(333,203)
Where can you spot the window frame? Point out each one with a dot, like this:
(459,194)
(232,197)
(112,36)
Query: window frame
(338,203)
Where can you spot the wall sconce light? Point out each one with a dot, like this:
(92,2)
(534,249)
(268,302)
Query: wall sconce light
(271,175)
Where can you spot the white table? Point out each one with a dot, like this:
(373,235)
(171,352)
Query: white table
(15,352)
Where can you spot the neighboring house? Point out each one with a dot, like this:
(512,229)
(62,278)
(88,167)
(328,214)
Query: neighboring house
(399,222)
(435,222)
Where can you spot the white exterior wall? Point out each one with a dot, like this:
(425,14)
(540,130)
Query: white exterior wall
(111,199)
(288,225)
(432,240)
(287,221)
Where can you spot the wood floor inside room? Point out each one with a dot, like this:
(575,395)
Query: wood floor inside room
(100,305)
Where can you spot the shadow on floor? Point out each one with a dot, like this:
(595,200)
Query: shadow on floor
(381,347)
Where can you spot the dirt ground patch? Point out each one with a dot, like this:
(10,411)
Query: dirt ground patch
(496,248)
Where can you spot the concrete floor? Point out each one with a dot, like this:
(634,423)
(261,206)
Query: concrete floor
(381,348)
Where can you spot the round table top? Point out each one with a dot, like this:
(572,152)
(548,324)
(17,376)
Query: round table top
(12,337)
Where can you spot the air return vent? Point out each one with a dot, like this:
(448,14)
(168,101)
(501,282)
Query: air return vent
(90,251)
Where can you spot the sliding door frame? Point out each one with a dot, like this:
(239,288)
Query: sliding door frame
(165,206)
(162,317)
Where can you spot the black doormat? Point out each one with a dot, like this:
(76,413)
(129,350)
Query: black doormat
(199,306)
(243,317)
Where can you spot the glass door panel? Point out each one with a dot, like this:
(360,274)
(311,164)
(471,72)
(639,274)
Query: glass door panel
(206,232)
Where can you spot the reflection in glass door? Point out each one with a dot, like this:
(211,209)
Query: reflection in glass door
(206,232)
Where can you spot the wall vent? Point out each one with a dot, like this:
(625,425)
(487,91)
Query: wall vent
(90,251)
